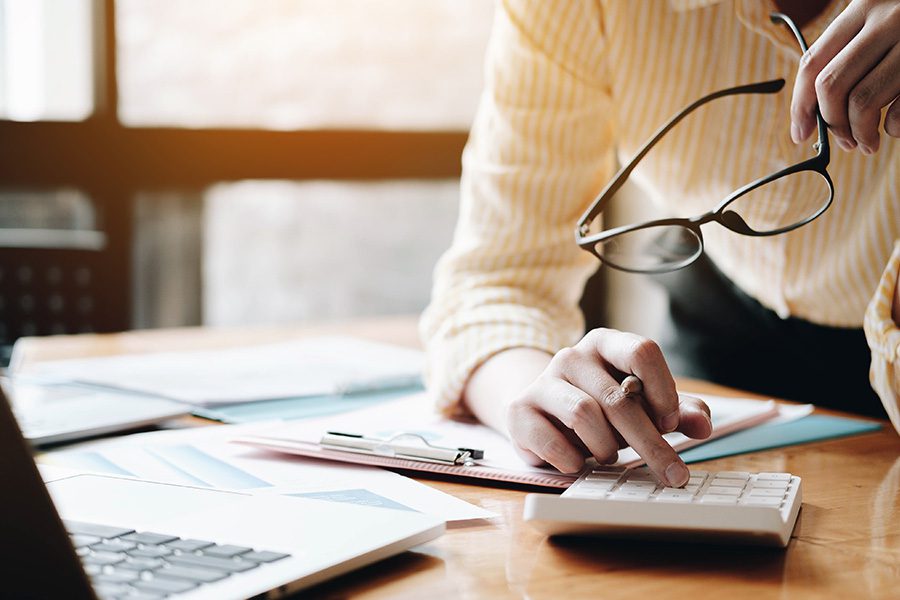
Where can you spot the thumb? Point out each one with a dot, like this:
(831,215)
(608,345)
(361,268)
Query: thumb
(695,421)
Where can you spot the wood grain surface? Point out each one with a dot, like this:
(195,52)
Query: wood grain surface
(846,543)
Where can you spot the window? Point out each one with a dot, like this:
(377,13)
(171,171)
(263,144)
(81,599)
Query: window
(322,249)
(188,125)
(302,64)
(46,60)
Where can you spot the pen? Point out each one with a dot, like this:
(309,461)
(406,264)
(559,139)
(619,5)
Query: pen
(631,385)
(351,442)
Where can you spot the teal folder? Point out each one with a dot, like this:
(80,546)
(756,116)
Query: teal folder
(811,428)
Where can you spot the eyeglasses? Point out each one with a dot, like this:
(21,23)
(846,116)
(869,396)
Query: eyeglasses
(778,203)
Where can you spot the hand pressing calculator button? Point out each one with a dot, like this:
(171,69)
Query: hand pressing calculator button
(723,507)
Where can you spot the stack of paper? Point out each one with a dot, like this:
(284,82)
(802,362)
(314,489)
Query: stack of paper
(303,368)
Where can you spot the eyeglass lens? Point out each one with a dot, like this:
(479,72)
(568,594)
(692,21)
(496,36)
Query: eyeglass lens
(651,249)
(783,203)
(778,205)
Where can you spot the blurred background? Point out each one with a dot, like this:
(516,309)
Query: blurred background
(225,162)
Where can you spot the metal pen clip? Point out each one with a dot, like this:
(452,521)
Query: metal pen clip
(350,442)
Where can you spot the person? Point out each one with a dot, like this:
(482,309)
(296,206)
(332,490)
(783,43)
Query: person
(572,86)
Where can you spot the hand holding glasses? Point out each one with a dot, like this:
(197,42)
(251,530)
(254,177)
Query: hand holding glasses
(778,203)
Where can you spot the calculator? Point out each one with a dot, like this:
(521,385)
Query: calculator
(722,507)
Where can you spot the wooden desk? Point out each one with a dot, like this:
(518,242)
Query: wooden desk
(846,543)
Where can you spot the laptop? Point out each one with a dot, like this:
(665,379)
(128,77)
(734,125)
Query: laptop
(50,412)
(80,536)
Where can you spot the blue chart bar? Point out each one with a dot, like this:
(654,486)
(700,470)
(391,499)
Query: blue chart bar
(357,496)
(208,470)
(93,462)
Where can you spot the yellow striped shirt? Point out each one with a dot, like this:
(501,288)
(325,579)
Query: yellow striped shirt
(571,87)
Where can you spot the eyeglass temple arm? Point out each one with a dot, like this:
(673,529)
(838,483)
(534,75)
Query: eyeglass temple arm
(782,19)
(764,87)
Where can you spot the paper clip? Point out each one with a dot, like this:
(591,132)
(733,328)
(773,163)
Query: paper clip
(351,442)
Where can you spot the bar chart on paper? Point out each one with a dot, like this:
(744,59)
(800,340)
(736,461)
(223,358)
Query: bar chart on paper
(179,463)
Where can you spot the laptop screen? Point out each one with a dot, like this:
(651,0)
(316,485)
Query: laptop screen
(36,557)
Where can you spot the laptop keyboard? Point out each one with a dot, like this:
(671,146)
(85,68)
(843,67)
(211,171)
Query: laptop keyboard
(124,563)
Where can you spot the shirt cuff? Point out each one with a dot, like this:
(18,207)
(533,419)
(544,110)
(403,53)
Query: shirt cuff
(465,343)
(883,336)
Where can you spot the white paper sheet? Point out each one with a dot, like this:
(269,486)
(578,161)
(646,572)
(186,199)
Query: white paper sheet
(791,412)
(306,367)
(203,457)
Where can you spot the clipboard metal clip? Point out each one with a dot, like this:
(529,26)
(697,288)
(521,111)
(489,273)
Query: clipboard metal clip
(393,447)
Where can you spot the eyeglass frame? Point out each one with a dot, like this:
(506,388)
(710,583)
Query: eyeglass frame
(728,219)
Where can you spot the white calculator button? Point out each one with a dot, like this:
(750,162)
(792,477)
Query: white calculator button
(724,491)
(638,485)
(602,477)
(701,474)
(718,499)
(774,485)
(596,485)
(641,474)
(773,477)
(719,481)
(690,489)
(583,492)
(676,495)
(607,469)
(630,495)
(761,501)
(695,480)
(683,499)
(772,493)
(733,475)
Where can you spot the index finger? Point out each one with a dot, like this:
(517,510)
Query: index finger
(805,99)
(627,415)
(630,353)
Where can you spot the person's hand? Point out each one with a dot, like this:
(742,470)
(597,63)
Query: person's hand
(577,407)
(852,72)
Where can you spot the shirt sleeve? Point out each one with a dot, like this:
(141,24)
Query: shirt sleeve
(539,150)
(883,335)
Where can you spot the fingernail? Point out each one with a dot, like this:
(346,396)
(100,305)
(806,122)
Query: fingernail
(795,133)
(670,421)
(677,474)
(865,150)
(845,146)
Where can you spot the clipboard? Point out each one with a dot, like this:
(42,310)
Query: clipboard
(405,462)
(392,422)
